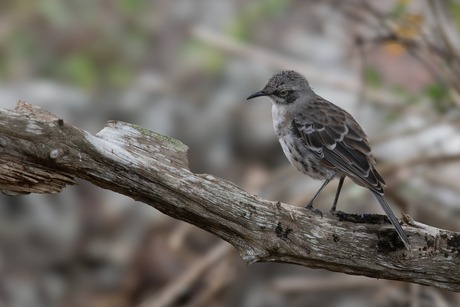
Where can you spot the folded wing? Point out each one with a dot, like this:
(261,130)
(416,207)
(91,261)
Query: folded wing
(341,146)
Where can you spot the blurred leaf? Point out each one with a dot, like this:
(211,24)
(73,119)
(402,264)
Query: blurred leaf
(392,115)
(23,43)
(455,11)
(265,8)
(130,5)
(23,6)
(4,70)
(437,91)
(135,45)
(412,99)
(211,59)
(56,12)
(372,77)
(120,76)
(399,90)
(80,69)
(239,28)
(439,94)
(409,98)
(399,9)
(273,7)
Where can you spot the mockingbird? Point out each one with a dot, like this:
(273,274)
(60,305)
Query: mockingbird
(322,140)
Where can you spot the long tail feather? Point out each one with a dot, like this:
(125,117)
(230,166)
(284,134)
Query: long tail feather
(383,203)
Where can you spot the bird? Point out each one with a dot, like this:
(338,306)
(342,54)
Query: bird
(322,140)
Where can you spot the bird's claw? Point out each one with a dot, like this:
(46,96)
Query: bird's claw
(317,211)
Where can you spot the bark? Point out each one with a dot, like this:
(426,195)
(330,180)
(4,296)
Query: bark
(40,153)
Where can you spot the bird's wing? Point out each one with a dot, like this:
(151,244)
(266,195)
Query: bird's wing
(342,146)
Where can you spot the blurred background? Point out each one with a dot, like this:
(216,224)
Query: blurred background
(184,69)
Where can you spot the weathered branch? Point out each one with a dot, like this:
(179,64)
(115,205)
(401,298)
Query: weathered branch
(40,153)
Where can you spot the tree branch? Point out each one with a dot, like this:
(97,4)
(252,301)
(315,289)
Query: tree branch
(40,153)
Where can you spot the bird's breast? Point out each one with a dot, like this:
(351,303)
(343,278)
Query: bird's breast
(281,119)
(294,149)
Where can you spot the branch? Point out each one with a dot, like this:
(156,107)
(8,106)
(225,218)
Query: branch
(40,153)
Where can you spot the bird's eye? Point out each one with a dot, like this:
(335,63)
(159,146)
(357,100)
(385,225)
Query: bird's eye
(283,93)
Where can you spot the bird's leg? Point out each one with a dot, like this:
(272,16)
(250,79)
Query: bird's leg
(339,188)
(334,204)
(310,203)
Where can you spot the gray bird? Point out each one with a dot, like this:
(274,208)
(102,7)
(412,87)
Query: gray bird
(322,140)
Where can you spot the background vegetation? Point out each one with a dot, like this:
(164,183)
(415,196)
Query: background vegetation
(184,68)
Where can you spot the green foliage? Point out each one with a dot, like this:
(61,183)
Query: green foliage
(399,9)
(87,43)
(372,77)
(203,55)
(120,75)
(392,115)
(439,94)
(130,5)
(437,91)
(80,69)
(239,28)
(23,44)
(408,97)
(455,13)
(55,12)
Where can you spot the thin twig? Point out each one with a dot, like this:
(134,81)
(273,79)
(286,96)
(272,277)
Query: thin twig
(171,292)
(336,283)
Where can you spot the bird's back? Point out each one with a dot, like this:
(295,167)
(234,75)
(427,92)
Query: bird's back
(337,140)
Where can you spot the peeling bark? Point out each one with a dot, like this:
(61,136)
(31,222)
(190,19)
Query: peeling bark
(40,153)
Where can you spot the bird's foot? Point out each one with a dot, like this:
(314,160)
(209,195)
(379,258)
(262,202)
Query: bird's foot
(338,212)
(317,211)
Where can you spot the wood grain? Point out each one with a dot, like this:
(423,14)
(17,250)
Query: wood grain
(41,153)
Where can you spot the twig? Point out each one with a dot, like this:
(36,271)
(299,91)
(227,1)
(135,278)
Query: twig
(280,62)
(168,295)
(222,277)
(445,38)
(432,160)
(336,283)
(379,97)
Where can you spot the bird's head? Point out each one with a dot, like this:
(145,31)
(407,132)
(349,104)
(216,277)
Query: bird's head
(285,88)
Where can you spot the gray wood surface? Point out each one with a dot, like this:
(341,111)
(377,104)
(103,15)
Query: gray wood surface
(41,153)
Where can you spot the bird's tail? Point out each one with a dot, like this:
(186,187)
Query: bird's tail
(383,203)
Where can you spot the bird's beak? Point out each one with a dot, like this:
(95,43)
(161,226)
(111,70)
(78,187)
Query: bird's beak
(257,94)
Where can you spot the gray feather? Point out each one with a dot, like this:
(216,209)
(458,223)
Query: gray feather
(383,203)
